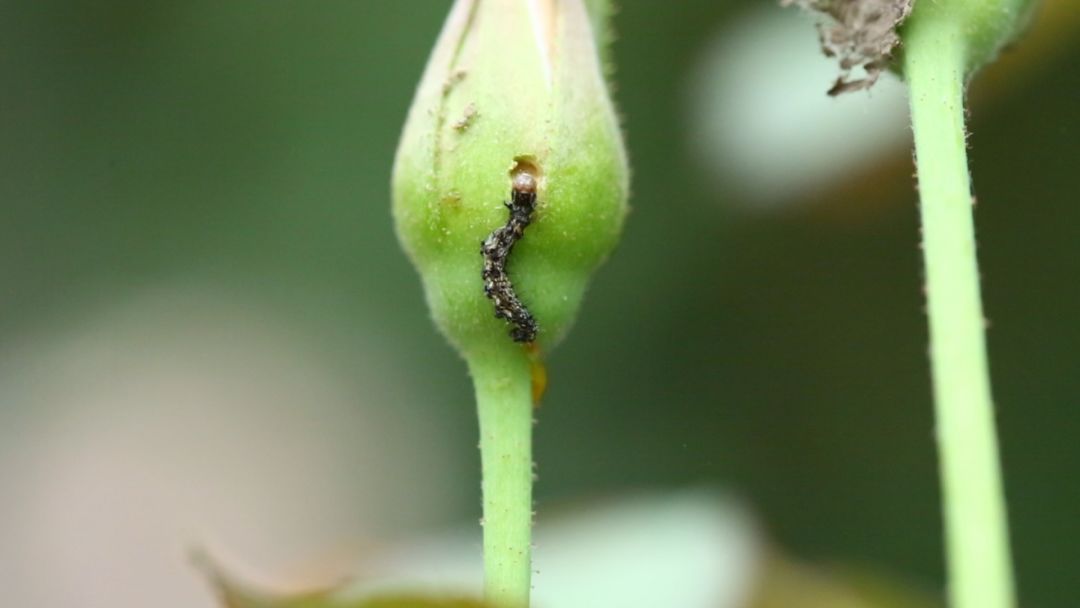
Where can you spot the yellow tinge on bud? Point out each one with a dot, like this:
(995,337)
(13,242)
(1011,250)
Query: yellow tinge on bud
(513,89)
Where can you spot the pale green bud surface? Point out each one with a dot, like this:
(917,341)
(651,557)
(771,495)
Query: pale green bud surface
(512,85)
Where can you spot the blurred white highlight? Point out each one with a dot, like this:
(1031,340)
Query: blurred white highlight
(690,549)
(763,128)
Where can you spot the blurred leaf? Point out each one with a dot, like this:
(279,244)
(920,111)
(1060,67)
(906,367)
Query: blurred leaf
(326,601)
(691,549)
(236,595)
(419,602)
(785,583)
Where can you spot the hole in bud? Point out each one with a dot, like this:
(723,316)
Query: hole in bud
(525,175)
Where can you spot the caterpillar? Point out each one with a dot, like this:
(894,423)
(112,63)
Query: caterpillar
(496,249)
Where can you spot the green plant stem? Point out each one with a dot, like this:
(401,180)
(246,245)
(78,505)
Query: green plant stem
(976,530)
(504,404)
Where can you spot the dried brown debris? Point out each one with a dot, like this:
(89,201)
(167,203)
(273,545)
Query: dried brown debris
(861,34)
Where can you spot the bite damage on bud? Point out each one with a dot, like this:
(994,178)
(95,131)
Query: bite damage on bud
(511,178)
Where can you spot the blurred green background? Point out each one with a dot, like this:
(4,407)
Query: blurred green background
(774,345)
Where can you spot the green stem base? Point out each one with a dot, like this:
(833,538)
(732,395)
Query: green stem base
(504,404)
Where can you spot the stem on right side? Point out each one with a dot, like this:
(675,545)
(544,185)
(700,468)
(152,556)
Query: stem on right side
(976,529)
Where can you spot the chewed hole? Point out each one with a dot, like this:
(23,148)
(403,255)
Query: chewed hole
(525,174)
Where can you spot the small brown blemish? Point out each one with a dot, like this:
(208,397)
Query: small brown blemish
(452,81)
(538,373)
(467,117)
(451,198)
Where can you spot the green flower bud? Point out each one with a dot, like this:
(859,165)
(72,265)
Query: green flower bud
(986,26)
(513,90)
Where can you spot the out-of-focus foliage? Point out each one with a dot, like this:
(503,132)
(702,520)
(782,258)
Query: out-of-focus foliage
(234,598)
(785,583)
(692,549)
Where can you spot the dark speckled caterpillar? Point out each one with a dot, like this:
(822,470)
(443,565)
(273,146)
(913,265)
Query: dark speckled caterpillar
(496,249)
